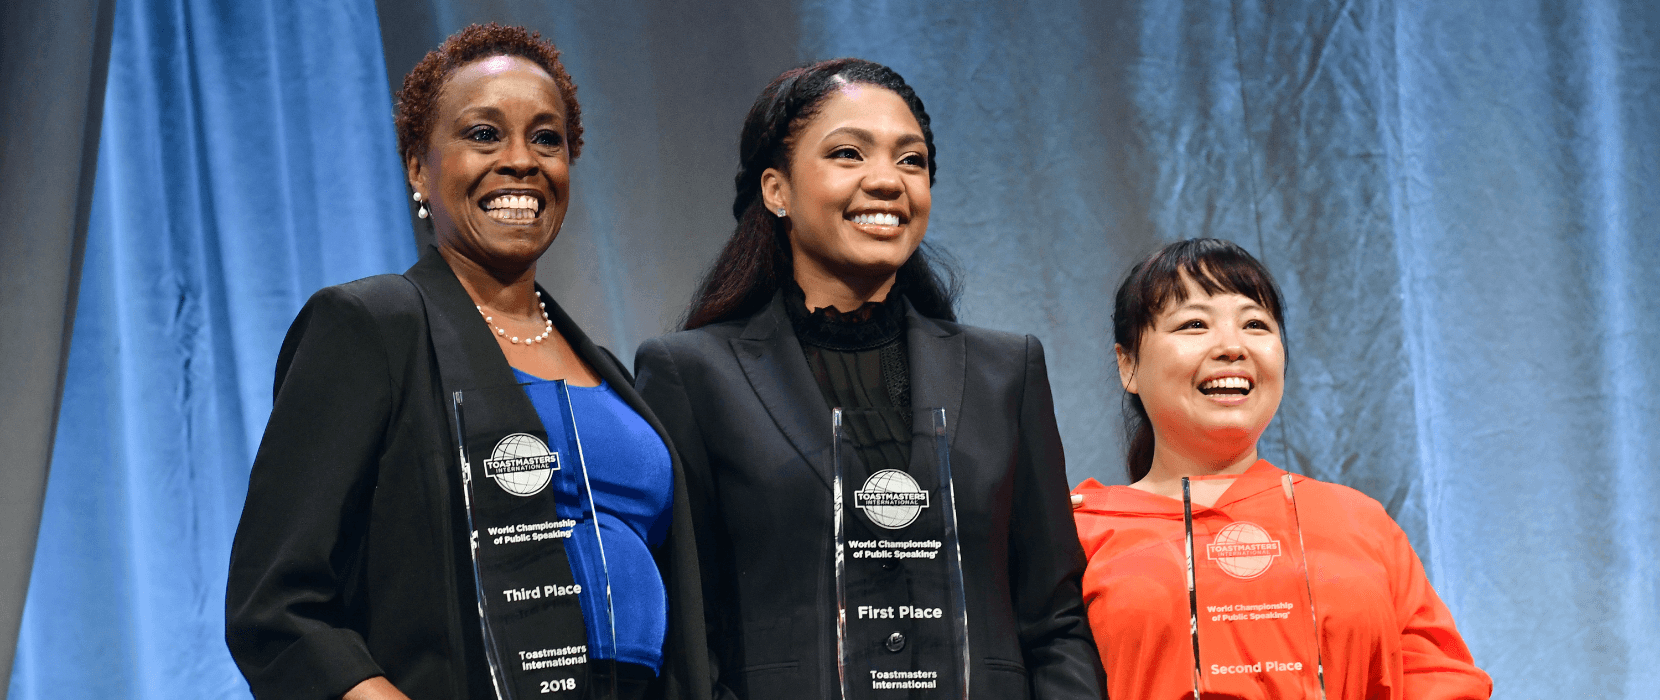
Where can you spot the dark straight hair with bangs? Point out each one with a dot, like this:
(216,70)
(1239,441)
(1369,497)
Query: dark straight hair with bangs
(1155,284)
(756,260)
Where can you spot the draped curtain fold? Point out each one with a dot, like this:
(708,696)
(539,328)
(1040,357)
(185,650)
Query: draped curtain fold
(246,160)
(1461,201)
(52,63)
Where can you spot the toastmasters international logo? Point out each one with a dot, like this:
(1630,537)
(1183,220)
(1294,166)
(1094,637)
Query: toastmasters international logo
(521,464)
(1243,550)
(891,499)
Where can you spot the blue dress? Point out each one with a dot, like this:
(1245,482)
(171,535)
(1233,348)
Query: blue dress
(629,470)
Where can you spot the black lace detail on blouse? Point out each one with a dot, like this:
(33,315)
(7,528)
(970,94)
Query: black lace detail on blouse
(858,360)
(857,357)
(868,327)
(896,375)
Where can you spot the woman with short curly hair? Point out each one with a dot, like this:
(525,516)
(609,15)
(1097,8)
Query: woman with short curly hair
(352,572)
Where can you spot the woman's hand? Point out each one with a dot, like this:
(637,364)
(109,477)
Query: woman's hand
(377,688)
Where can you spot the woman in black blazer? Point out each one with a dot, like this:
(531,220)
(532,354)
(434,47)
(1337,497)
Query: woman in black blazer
(350,573)
(822,298)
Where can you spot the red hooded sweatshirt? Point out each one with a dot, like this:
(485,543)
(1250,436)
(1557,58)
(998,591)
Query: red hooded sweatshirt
(1383,631)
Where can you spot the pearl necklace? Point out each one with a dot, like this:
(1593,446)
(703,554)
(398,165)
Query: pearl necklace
(547,323)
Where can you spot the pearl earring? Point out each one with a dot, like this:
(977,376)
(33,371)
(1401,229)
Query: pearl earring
(420,211)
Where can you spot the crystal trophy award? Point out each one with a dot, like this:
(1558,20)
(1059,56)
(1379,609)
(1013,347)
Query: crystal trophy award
(1252,609)
(530,513)
(902,618)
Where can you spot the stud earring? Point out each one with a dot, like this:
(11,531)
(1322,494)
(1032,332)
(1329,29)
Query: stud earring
(780,212)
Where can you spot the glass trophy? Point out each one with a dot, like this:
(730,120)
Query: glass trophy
(530,513)
(1252,610)
(902,616)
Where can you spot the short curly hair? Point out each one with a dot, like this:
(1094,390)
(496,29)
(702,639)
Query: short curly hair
(418,100)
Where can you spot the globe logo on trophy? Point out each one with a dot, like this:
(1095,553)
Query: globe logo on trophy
(891,499)
(521,464)
(1243,550)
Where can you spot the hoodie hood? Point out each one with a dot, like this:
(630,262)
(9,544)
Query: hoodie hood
(1100,499)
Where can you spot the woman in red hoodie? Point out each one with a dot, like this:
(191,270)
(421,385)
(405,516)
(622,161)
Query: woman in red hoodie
(1197,327)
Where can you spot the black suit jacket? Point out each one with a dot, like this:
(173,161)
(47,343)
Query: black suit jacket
(351,557)
(751,425)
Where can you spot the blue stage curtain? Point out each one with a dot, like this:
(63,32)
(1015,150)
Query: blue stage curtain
(1461,200)
(247,158)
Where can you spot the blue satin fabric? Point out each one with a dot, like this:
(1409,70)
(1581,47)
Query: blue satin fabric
(628,470)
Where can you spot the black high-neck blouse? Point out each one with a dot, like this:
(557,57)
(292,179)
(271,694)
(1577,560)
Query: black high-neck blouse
(858,359)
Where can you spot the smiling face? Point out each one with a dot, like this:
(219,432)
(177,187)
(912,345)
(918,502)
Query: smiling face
(496,171)
(856,191)
(1210,371)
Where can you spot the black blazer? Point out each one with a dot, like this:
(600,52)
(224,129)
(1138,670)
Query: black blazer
(751,425)
(351,557)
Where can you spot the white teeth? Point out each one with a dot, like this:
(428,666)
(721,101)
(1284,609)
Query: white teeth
(1227,383)
(877,219)
(512,201)
(512,207)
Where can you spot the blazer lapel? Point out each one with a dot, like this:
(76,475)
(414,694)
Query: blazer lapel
(772,360)
(585,348)
(938,366)
(604,364)
(468,357)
